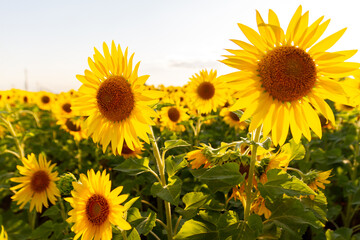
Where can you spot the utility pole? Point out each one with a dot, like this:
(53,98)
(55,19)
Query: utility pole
(26,80)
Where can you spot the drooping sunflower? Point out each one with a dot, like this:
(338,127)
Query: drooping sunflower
(96,207)
(116,100)
(37,185)
(320,179)
(206,91)
(197,158)
(282,76)
(170,117)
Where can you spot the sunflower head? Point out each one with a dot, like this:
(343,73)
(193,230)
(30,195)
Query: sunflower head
(116,100)
(95,207)
(37,185)
(232,119)
(45,100)
(197,158)
(317,179)
(172,116)
(284,77)
(206,91)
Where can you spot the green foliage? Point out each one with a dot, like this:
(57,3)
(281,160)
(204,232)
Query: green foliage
(280,183)
(220,178)
(170,192)
(134,166)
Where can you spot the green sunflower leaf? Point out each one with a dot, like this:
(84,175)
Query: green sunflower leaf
(220,178)
(174,144)
(170,192)
(134,166)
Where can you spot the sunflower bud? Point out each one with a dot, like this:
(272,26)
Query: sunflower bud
(65,183)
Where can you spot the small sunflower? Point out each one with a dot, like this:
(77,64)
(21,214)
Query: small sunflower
(116,100)
(320,179)
(258,205)
(96,207)
(74,126)
(197,159)
(62,107)
(206,91)
(282,76)
(126,152)
(37,185)
(232,119)
(170,117)
(44,100)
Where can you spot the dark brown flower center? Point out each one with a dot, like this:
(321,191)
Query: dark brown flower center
(126,149)
(71,126)
(173,114)
(39,181)
(115,99)
(206,90)
(234,117)
(287,73)
(25,99)
(45,99)
(67,107)
(97,209)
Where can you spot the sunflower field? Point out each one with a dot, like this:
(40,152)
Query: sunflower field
(268,151)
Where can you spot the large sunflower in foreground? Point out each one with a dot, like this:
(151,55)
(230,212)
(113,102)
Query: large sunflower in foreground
(284,76)
(116,100)
(38,183)
(206,91)
(95,207)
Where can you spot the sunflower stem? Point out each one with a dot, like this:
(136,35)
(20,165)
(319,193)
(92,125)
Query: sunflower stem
(19,144)
(63,213)
(249,185)
(123,234)
(161,167)
(32,219)
(177,224)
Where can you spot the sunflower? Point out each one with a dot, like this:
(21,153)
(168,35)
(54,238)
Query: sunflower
(116,100)
(232,119)
(37,184)
(197,158)
(45,100)
(320,179)
(74,126)
(95,207)
(206,91)
(3,234)
(282,76)
(258,205)
(126,152)
(170,117)
(62,108)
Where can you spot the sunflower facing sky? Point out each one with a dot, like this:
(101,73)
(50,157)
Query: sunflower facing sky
(37,185)
(285,77)
(206,91)
(96,207)
(116,100)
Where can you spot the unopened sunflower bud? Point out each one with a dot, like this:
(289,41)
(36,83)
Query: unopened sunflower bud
(65,183)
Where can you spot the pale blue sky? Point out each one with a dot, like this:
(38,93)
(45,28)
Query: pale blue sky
(173,39)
